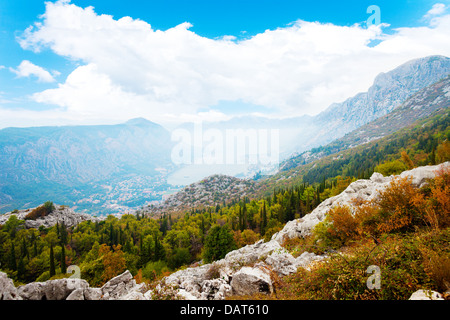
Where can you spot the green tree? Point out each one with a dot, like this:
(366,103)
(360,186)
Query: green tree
(180,257)
(63,259)
(218,243)
(52,262)
(159,252)
(12,257)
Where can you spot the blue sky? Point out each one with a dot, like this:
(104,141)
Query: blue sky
(46,74)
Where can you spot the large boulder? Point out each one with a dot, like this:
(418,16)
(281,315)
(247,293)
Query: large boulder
(92,293)
(249,281)
(7,289)
(122,287)
(58,289)
(426,295)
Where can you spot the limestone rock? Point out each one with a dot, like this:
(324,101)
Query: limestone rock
(251,253)
(215,289)
(306,259)
(248,281)
(133,295)
(186,295)
(148,295)
(92,294)
(32,291)
(118,287)
(60,215)
(77,294)
(58,289)
(426,295)
(7,289)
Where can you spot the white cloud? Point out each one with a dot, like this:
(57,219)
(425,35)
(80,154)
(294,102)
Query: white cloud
(129,69)
(27,69)
(436,10)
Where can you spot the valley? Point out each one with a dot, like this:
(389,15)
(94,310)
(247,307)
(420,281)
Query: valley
(117,169)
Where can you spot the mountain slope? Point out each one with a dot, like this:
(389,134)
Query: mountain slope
(38,161)
(419,106)
(211,191)
(389,91)
(425,142)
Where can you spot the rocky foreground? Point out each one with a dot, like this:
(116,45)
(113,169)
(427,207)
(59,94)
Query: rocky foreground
(246,271)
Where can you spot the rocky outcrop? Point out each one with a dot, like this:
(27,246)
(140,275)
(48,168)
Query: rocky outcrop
(7,289)
(358,190)
(248,270)
(51,290)
(426,295)
(122,287)
(60,214)
(248,281)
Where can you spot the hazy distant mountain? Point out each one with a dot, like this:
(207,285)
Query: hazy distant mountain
(419,106)
(388,91)
(35,160)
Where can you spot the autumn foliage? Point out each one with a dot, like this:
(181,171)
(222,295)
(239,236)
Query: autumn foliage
(40,211)
(400,207)
(113,261)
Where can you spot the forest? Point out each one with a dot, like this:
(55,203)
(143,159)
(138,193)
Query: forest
(154,247)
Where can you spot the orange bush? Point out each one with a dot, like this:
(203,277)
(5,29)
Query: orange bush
(344,223)
(40,211)
(113,261)
(398,206)
(438,204)
(443,151)
(368,218)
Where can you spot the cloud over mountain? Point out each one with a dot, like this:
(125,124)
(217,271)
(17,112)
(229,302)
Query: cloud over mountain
(128,69)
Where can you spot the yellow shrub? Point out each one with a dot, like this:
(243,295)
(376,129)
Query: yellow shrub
(397,206)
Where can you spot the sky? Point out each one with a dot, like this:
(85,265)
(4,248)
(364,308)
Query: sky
(102,62)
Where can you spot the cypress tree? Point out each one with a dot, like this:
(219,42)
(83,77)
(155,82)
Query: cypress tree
(21,269)
(111,235)
(35,250)
(63,259)
(25,250)
(159,250)
(12,258)
(52,262)
(264,219)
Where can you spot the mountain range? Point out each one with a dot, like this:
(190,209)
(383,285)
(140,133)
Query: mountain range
(117,168)
(72,163)
(420,105)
